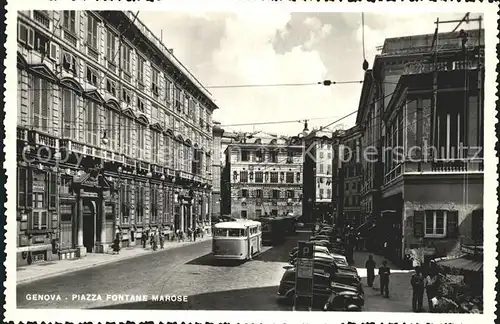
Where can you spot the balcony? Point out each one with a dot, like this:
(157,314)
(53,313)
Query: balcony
(451,166)
(22,134)
(43,139)
(42,17)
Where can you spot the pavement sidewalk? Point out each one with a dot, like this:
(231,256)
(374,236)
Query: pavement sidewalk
(34,272)
(400,290)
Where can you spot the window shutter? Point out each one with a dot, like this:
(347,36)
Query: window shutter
(36,91)
(52,190)
(43,220)
(35,224)
(72,21)
(418,223)
(21,188)
(452,223)
(29,189)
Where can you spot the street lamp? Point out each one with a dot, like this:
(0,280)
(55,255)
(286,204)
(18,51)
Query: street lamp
(105,139)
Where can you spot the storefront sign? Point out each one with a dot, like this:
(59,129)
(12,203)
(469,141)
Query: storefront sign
(38,239)
(305,272)
(38,186)
(89,194)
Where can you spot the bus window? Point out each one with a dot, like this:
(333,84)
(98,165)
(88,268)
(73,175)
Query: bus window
(234,232)
(220,232)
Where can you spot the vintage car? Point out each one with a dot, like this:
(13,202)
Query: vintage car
(344,300)
(321,285)
(317,248)
(319,237)
(326,263)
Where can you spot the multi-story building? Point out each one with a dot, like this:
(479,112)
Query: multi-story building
(350,165)
(114,134)
(430,199)
(217,165)
(317,194)
(263,176)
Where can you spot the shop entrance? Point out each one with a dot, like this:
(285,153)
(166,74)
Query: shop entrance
(89,215)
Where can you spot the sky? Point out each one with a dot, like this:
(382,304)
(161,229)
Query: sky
(229,48)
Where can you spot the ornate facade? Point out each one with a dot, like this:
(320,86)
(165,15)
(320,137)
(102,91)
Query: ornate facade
(114,135)
(263,176)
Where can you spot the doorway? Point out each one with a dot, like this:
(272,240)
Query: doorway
(89,213)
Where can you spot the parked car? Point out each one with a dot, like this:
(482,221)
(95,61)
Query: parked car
(325,263)
(344,300)
(317,248)
(321,285)
(331,247)
(320,237)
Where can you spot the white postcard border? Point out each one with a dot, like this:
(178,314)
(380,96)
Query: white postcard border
(490,178)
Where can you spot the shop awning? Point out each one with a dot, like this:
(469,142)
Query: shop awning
(364,228)
(463,263)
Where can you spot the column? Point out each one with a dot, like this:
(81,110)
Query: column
(192,220)
(79,216)
(181,215)
(103,246)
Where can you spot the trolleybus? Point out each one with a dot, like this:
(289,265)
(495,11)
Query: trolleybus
(237,240)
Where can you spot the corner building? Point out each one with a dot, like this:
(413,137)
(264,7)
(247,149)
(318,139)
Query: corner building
(263,176)
(430,107)
(317,198)
(114,135)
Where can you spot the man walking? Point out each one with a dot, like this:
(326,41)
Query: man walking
(370,270)
(431,285)
(417,283)
(384,272)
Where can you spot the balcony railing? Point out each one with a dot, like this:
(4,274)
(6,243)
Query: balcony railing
(43,139)
(436,167)
(22,134)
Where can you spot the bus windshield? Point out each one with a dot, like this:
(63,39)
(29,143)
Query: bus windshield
(220,232)
(235,232)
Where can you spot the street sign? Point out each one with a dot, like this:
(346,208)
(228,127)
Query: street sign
(304,279)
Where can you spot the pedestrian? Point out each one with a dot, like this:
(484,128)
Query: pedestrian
(417,283)
(370,266)
(190,233)
(431,287)
(384,272)
(162,239)
(195,232)
(154,244)
(116,244)
(144,239)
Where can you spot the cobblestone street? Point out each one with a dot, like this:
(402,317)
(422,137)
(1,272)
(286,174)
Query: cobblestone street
(191,271)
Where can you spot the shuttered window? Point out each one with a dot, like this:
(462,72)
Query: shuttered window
(111,124)
(418,223)
(40,103)
(21,187)
(69,101)
(127,131)
(452,223)
(92,32)
(69,20)
(52,192)
(92,122)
